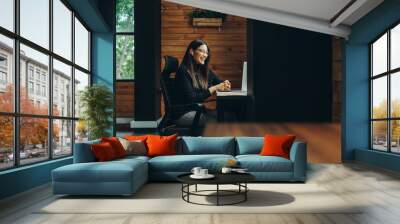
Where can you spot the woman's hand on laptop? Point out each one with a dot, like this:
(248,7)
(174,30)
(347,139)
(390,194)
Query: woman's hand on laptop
(227,85)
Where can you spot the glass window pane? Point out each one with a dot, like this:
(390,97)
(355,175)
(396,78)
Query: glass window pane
(81,81)
(62,89)
(35,21)
(62,138)
(62,29)
(33,140)
(395,47)
(395,94)
(125,16)
(6,74)
(6,142)
(81,131)
(125,56)
(7,14)
(379,55)
(395,136)
(379,135)
(34,96)
(379,97)
(81,45)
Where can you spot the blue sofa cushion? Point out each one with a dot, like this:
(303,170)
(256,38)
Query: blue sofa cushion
(111,171)
(185,163)
(257,163)
(83,153)
(249,145)
(207,145)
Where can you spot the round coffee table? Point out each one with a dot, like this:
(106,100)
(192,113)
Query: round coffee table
(238,179)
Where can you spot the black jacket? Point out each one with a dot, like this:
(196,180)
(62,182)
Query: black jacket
(185,91)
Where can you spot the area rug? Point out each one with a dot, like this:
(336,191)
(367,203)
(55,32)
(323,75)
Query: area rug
(167,198)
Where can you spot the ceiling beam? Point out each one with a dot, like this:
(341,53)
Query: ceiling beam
(347,11)
(268,15)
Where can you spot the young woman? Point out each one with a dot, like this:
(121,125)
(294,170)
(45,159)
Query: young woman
(194,81)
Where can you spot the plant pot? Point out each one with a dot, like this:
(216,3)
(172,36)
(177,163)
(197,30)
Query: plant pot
(207,22)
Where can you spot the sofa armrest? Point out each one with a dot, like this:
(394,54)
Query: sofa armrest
(83,152)
(298,155)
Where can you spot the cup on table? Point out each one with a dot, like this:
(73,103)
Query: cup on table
(226,170)
(196,171)
(203,172)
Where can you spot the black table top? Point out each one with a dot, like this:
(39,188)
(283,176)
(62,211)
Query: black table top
(220,178)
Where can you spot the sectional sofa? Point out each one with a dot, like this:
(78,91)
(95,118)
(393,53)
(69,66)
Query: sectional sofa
(125,176)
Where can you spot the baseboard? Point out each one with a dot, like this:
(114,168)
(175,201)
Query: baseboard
(145,124)
(124,120)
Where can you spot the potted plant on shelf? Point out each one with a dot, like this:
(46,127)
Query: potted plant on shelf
(205,18)
(96,104)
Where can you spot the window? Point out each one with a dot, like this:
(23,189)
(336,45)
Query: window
(62,29)
(34,21)
(81,45)
(45,131)
(44,91)
(125,41)
(3,78)
(3,61)
(62,74)
(30,87)
(38,89)
(30,72)
(385,91)
(7,14)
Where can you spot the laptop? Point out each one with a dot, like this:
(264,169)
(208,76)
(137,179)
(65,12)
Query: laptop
(238,92)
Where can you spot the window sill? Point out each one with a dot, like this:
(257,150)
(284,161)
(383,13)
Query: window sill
(26,167)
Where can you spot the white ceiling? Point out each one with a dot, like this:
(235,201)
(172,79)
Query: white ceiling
(314,15)
(320,9)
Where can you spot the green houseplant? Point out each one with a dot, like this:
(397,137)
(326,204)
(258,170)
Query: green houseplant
(207,18)
(96,104)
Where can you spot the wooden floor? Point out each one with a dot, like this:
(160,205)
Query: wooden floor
(377,189)
(323,139)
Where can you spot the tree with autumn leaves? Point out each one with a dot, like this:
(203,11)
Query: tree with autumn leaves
(380,127)
(33,131)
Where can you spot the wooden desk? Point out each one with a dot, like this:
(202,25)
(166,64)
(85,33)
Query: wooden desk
(238,104)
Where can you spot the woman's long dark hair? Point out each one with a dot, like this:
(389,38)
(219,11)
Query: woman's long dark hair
(198,72)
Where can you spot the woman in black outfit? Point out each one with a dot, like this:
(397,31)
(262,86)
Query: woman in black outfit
(195,82)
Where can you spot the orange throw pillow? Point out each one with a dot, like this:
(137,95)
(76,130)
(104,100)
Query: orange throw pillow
(277,145)
(161,145)
(116,145)
(103,152)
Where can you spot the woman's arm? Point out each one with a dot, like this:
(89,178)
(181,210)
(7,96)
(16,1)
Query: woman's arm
(185,89)
(213,78)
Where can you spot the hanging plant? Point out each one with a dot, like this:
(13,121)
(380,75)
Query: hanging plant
(206,18)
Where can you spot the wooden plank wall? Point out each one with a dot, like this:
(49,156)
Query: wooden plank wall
(337,62)
(125,99)
(228,45)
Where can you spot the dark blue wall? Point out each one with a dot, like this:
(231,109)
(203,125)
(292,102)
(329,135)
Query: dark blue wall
(292,73)
(355,123)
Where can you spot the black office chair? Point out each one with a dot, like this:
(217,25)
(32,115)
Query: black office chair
(170,122)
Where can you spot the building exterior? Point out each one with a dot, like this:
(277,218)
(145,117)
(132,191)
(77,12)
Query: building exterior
(35,80)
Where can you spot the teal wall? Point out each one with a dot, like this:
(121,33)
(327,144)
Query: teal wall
(102,61)
(355,122)
(24,178)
